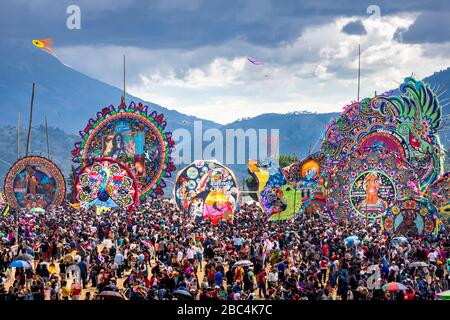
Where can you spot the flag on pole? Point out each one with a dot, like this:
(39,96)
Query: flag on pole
(75,205)
(5,210)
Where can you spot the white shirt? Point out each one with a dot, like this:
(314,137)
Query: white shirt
(273,276)
(395,268)
(269,245)
(190,253)
(180,255)
(432,257)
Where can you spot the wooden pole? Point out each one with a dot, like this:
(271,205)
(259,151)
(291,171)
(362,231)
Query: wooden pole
(367,216)
(359,68)
(124,81)
(295,199)
(46,135)
(31,119)
(18,135)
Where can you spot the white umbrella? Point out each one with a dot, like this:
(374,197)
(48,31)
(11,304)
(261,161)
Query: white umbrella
(418,264)
(107,243)
(243,263)
(73,272)
(399,240)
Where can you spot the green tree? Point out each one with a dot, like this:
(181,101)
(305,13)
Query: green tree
(285,159)
(71,183)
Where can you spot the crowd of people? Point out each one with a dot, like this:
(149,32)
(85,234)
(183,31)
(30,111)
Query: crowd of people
(156,252)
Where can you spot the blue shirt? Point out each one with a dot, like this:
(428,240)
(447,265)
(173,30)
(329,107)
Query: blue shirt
(218,278)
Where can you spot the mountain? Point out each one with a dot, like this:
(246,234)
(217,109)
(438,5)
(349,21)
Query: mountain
(299,132)
(68,97)
(440,82)
(59,141)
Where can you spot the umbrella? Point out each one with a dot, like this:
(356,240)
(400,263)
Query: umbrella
(399,240)
(243,263)
(352,240)
(183,294)
(418,264)
(444,295)
(110,295)
(37,210)
(107,243)
(76,285)
(25,257)
(19,264)
(394,286)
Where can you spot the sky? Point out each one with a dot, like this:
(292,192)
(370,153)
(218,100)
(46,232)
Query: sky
(191,55)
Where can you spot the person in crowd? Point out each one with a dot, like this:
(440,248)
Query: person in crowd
(159,253)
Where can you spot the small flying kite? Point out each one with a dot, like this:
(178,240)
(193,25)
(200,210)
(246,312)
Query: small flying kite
(44,44)
(255,61)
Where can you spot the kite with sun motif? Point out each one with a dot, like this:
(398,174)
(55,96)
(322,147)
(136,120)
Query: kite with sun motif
(309,178)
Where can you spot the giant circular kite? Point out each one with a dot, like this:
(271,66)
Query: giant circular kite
(34,182)
(406,123)
(410,217)
(207,190)
(439,194)
(134,138)
(107,183)
(364,184)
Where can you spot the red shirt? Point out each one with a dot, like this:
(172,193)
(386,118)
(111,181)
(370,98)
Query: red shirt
(325,250)
(409,296)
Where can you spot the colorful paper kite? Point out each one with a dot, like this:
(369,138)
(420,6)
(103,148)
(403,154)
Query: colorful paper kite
(406,123)
(106,183)
(44,44)
(364,184)
(135,139)
(410,217)
(207,190)
(34,182)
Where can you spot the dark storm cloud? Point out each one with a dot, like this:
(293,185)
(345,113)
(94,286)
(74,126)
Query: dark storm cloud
(354,28)
(183,23)
(429,27)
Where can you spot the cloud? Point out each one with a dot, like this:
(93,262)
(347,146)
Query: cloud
(316,71)
(191,55)
(182,5)
(185,24)
(429,27)
(354,28)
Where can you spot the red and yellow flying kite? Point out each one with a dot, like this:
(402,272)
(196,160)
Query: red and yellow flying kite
(44,44)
